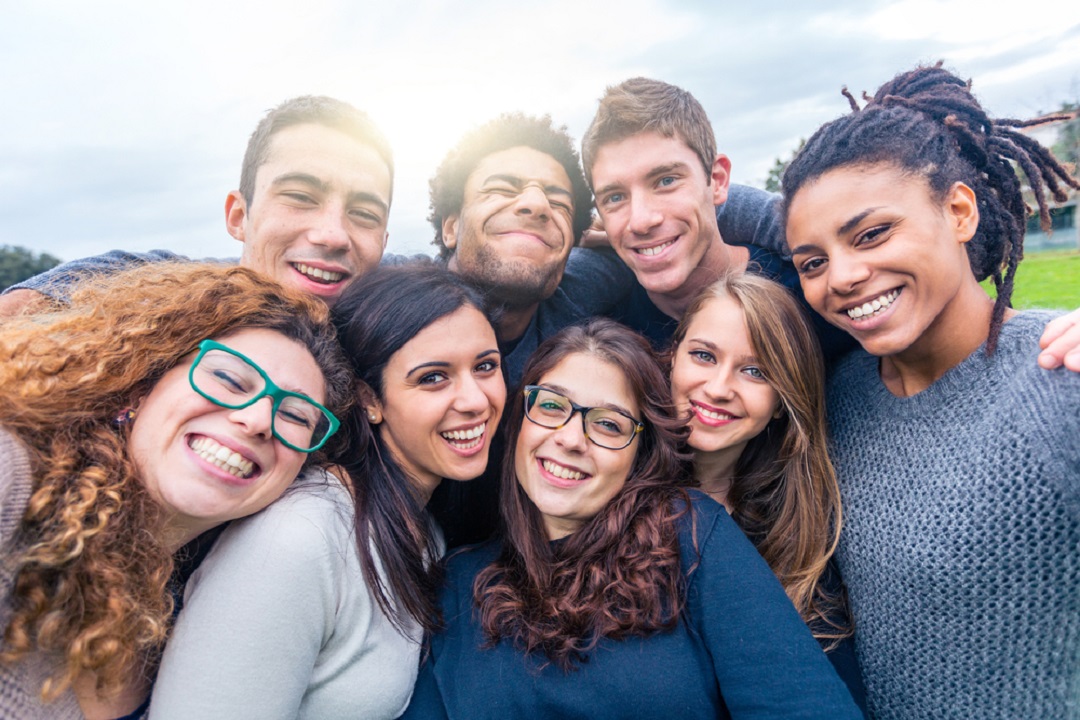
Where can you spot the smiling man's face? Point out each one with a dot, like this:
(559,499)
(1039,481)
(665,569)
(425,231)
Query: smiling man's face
(515,229)
(318,213)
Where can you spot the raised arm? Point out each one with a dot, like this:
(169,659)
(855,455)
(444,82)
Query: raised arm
(752,217)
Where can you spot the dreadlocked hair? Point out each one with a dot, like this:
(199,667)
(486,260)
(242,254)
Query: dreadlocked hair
(926,122)
(618,575)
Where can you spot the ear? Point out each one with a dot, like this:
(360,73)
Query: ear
(962,211)
(449,232)
(235,214)
(385,239)
(370,403)
(720,178)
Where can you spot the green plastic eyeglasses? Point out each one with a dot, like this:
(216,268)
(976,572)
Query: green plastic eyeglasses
(605,427)
(227,378)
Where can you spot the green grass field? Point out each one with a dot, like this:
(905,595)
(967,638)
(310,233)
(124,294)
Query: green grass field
(1048,279)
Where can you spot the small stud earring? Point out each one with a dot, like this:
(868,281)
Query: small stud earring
(125,417)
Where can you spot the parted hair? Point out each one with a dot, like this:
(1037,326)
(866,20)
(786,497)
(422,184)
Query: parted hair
(617,576)
(376,316)
(784,493)
(316,110)
(644,105)
(91,575)
(926,122)
(510,130)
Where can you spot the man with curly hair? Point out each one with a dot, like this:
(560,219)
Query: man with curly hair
(311,209)
(508,203)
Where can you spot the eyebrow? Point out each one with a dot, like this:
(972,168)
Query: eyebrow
(322,186)
(655,172)
(521,182)
(714,347)
(609,406)
(445,364)
(842,230)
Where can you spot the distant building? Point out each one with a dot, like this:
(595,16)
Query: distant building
(1062,134)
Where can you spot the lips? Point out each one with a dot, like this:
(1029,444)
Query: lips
(712,416)
(655,249)
(875,307)
(318,275)
(222,457)
(559,475)
(466,439)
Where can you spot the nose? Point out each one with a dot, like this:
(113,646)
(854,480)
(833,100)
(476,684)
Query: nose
(571,436)
(719,385)
(470,398)
(846,271)
(532,200)
(256,419)
(643,216)
(330,228)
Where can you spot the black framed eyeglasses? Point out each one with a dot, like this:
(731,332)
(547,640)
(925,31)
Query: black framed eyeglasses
(227,378)
(608,428)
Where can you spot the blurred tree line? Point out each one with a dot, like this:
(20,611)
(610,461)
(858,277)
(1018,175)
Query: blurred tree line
(18,263)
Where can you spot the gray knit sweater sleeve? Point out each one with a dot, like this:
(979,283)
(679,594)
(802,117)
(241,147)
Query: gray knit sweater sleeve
(961,538)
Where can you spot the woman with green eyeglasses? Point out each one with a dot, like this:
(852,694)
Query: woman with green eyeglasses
(164,402)
(616,591)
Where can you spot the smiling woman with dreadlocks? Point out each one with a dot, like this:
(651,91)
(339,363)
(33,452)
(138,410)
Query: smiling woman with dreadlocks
(957,455)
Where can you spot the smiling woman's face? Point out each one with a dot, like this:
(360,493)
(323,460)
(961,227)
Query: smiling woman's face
(443,395)
(567,476)
(206,464)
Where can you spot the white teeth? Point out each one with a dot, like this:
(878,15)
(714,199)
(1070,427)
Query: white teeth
(653,250)
(714,415)
(319,274)
(222,457)
(874,307)
(466,439)
(562,472)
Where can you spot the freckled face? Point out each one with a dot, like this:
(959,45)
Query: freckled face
(318,213)
(717,381)
(515,229)
(567,476)
(881,259)
(205,464)
(659,206)
(443,395)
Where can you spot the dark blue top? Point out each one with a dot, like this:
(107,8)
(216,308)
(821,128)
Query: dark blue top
(739,650)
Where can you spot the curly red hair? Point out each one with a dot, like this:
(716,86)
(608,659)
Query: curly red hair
(92,579)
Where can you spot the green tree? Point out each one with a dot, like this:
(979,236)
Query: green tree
(772,180)
(1067,147)
(18,264)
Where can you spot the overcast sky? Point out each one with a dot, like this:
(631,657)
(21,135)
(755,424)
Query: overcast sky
(124,123)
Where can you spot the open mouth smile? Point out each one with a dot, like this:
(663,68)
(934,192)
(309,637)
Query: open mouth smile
(875,307)
(324,277)
(222,457)
(712,416)
(466,439)
(655,250)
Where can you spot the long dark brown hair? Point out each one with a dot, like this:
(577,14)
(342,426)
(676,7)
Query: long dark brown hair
(784,493)
(376,316)
(617,576)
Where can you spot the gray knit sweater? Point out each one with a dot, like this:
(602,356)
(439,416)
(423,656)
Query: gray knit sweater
(961,538)
(20,684)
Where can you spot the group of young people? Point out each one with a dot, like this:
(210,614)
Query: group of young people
(220,497)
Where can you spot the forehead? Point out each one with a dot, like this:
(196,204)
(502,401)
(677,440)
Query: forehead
(522,162)
(459,336)
(635,157)
(720,321)
(288,362)
(592,381)
(330,155)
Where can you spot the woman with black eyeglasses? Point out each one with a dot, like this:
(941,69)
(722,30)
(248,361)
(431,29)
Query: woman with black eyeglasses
(616,592)
(164,402)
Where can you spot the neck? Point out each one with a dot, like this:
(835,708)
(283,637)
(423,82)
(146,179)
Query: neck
(715,471)
(719,258)
(957,332)
(513,321)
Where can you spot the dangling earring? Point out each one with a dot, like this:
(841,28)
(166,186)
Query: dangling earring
(125,417)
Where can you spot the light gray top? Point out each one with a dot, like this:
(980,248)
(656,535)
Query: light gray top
(279,623)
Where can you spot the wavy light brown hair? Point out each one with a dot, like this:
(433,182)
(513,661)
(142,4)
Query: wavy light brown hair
(784,494)
(91,578)
(619,575)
